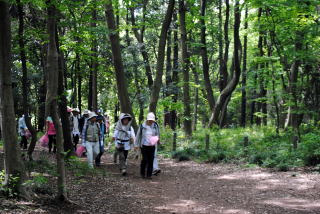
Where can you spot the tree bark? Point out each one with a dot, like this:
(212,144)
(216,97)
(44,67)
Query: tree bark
(204,55)
(94,62)
(228,90)
(185,60)
(51,98)
(224,71)
(142,47)
(244,74)
(161,54)
(122,84)
(175,73)
(13,164)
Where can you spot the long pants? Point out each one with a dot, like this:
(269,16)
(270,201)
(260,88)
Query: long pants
(24,142)
(155,161)
(93,149)
(115,156)
(75,141)
(52,141)
(147,160)
(98,158)
(123,155)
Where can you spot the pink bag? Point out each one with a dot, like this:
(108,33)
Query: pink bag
(44,140)
(154,140)
(28,134)
(80,151)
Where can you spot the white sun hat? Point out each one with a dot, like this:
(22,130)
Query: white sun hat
(151,116)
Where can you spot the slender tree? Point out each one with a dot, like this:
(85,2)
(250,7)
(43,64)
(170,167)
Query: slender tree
(13,164)
(122,84)
(51,98)
(161,54)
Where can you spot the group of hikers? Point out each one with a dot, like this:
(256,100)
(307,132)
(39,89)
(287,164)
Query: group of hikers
(91,129)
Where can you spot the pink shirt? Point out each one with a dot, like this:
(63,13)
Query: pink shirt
(51,129)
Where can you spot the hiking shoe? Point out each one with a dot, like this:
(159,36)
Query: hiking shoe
(156,172)
(124,172)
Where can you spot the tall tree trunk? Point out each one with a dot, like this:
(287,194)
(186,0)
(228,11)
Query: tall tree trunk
(63,102)
(13,164)
(51,98)
(122,84)
(228,90)
(185,67)
(204,55)
(94,62)
(42,90)
(161,54)
(142,46)
(244,74)
(168,89)
(224,71)
(196,98)
(175,73)
(25,82)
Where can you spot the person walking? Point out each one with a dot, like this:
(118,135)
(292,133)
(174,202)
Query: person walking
(123,137)
(22,130)
(91,138)
(51,132)
(148,136)
(101,142)
(75,127)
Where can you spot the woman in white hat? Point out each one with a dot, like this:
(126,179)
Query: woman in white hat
(92,138)
(75,118)
(148,136)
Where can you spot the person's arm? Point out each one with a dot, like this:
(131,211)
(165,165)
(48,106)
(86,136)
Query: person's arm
(132,134)
(137,141)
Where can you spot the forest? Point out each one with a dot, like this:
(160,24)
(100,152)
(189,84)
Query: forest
(229,90)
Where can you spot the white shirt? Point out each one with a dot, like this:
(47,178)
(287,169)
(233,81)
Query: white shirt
(148,134)
(75,130)
(127,145)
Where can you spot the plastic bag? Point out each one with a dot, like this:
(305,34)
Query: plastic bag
(80,150)
(154,140)
(44,140)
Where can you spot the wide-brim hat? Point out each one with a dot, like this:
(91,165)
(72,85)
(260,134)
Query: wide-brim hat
(92,114)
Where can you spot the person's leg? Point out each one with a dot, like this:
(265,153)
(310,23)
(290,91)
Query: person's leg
(126,157)
(115,156)
(54,141)
(150,158)
(96,150)
(24,142)
(122,164)
(89,149)
(50,143)
(143,162)
(75,141)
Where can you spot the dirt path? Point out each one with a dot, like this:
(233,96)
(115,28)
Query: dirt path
(184,187)
(188,187)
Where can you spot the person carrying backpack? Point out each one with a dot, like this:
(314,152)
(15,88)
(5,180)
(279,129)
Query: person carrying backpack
(123,137)
(91,138)
(148,136)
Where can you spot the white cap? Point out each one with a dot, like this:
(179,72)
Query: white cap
(92,114)
(86,112)
(151,116)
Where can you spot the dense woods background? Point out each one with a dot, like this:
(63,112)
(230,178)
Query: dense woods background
(228,80)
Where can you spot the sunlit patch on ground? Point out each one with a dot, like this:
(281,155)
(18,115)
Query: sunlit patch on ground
(294,203)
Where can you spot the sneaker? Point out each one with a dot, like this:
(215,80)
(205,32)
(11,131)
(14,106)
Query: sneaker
(124,172)
(156,172)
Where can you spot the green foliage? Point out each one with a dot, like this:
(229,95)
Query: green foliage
(265,148)
(8,190)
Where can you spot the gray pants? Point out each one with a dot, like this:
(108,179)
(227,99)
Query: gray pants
(123,155)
